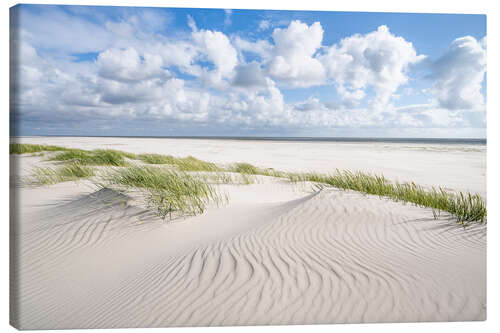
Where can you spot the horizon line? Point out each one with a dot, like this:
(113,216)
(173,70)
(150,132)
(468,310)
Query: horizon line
(252,137)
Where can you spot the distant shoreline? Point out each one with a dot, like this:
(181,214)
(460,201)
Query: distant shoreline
(473,141)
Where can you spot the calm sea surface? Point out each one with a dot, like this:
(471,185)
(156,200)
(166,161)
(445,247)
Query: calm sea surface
(458,141)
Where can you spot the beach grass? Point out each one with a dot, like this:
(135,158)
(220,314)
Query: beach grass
(94,157)
(189,163)
(22,148)
(166,191)
(216,177)
(68,172)
(249,169)
(247,179)
(245,168)
(227,178)
(466,208)
(156,159)
(81,156)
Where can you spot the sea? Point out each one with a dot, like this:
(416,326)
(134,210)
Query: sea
(451,141)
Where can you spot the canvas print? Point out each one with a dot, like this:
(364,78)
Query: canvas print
(211,167)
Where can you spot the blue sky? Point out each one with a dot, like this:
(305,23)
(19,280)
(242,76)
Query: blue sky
(86,70)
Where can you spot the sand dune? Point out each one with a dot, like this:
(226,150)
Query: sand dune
(276,254)
(458,167)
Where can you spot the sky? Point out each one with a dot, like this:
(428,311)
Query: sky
(131,71)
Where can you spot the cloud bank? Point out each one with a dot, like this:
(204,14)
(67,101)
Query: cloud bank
(205,81)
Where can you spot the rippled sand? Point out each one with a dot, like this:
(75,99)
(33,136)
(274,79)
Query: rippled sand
(276,254)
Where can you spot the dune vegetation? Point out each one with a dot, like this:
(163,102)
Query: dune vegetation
(165,190)
(23,148)
(68,172)
(464,207)
(156,159)
(184,184)
(245,168)
(95,157)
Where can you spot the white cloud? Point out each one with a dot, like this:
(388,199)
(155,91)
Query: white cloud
(114,92)
(249,76)
(264,25)
(49,29)
(127,65)
(177,53)
(260,47)
(378,59)
(459,73)
(265,106)
(293,59)
(217,48)
(58,31)
(175,101)
(135,77)
(311,104)
(191,23)
(227,19)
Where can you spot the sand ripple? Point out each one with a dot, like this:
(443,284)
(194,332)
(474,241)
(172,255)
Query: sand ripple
(329,257)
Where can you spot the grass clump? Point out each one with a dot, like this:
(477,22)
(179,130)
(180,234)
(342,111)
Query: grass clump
(227,178)
(24,148)
(273,173)
(176,190)
(466,208)
(166,191)
(68,172)
(245,168)
(249,169)
(131,156)
(247,179)
(95,157)
(191,163)
(156,159)
(216,177)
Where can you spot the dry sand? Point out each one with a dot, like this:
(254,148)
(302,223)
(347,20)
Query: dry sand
(458,167)
(276,254)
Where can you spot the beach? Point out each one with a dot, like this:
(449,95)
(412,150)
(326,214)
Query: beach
(274,253)
(456,166)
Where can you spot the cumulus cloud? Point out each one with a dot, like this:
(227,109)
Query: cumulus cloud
(311,104)
(268,104)
(261,47)
(113,92)
(181,54)
(378,59)
(293,54)
(249,76)
(176,101)
(216,48)
(459,73)
(240,82)
(128,65)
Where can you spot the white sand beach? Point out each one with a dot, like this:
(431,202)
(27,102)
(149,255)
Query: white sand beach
(458,167)
(276,253)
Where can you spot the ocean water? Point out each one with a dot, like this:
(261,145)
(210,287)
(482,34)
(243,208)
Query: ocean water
(444,141)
